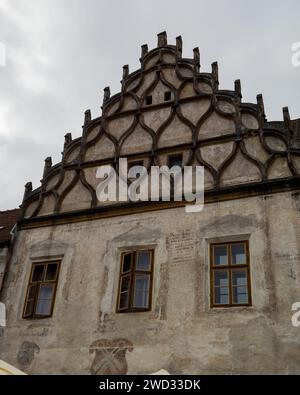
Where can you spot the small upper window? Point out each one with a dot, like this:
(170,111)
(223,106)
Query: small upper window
(148,100)
(175,160)
(168,96)
(41,290)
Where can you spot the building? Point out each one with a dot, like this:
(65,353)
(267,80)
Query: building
(122,287)
(8,220)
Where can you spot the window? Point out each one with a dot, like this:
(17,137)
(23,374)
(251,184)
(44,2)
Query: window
(148,100)
(230,274)
(168,96)
(135,285)
(175,160)
(41,290)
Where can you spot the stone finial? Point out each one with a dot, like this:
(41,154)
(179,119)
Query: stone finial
(68,140)
(87,117)
(162,40)
(179,46)
(106,95)
(125,71)
(144,49)
(28,190)
(197,58)
(47,166)
(238,88)
(215,73)
(260,103)
(286,117)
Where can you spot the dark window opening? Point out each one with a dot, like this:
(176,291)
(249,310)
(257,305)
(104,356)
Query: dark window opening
(175,160)
(148,100)
(168,95)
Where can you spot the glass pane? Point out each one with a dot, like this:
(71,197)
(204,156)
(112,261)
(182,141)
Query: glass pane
(221,295)
(43,306)
(124,297)
(221,287)
(239,277)
(125,284)
(29,308)
(141,291)
(31,292)
(238,254)
(221,278)
(240,288)
(220,255)
(240,295)
(143,260)
(127,263)
(37,274)
(51,271)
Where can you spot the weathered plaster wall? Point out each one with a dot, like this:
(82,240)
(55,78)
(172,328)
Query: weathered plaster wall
(181,333)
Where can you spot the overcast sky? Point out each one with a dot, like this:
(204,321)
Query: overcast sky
(60,54)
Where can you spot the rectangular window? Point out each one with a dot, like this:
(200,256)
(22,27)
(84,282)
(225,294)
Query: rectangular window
(168,95)
(148,100)
(135,284)
(175,160)
(41,290)
(230,274)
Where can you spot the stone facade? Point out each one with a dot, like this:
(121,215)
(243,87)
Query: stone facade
(252,192)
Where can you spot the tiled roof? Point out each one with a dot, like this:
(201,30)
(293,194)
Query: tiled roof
(7,221)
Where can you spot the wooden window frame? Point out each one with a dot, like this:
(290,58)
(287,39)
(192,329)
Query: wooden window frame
(38,284)
(132,273)
(229,268)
